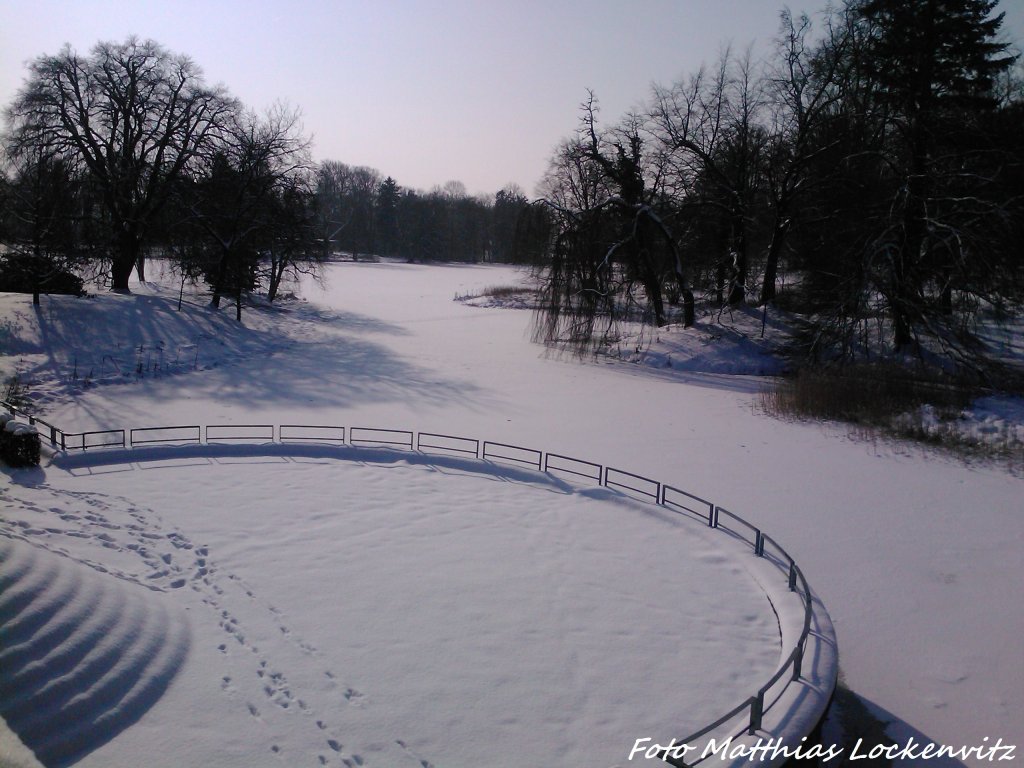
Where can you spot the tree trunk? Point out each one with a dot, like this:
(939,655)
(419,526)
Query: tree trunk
(738,286)
(946,301)
(653,288)
(905,274)
(771,267)
(36,277)
(125,259)
(277,267)
(689,309)
(219,279)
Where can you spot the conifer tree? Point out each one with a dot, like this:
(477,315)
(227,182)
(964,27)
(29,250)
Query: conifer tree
(935,63)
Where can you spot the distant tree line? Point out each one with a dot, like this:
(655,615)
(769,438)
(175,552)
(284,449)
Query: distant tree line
(127,153)
(869,175)
(360,214)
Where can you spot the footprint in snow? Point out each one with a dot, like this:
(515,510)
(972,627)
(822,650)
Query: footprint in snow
(354,696)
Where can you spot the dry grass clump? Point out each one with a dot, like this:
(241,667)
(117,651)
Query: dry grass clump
(506,291)
(863,394)
(889,401)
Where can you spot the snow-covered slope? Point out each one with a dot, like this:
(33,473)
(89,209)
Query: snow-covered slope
(84,654)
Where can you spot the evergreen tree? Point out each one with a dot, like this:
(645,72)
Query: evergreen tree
(935,63)
(388,195)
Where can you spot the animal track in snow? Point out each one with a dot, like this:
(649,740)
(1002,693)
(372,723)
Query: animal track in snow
(353,696)
(409,751)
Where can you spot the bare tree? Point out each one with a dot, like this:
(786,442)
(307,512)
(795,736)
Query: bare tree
(236,201)
(803,86)
(135,115)
(291,244)
(612,250)
(346,197)
(711,132)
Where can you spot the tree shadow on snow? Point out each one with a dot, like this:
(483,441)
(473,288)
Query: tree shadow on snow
(300,355)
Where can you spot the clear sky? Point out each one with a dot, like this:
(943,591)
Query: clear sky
(426,91)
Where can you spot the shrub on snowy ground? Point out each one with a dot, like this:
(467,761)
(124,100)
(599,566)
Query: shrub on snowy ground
(19,443)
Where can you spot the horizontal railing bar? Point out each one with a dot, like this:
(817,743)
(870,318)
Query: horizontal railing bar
(474,451)
(197,438)
(85,446)
(537,462)
(233,432)
(613,483)
(320,439)
(548,467)
(407,442)
(756,531)
(665,489)
(734,712)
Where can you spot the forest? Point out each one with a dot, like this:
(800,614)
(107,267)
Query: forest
(865,176)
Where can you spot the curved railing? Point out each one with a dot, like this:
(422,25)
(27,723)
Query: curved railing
(667,496)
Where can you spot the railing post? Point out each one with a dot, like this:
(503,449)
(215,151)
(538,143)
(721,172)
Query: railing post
(792,576)
(759,544)
(756,713)
(798,661)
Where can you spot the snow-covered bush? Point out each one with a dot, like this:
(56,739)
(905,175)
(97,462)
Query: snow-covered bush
(19,443)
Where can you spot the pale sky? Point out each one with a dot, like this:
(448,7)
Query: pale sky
(426,91)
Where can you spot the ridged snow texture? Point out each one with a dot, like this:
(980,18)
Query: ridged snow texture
(82,654)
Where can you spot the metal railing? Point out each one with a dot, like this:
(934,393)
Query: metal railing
(669,497)
(190,435)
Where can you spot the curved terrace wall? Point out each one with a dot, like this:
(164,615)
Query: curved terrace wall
(785,708)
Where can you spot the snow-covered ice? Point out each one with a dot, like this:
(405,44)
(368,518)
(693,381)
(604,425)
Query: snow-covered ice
(915,555)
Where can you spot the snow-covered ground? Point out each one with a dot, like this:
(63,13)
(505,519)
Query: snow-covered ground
(917,557)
